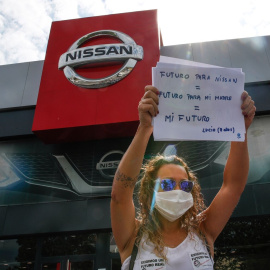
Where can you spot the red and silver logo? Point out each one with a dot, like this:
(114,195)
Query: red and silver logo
(128,52)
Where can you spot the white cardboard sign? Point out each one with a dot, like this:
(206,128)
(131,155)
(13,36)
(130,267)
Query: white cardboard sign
(198,103)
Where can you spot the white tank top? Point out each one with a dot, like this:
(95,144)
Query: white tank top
(191,254)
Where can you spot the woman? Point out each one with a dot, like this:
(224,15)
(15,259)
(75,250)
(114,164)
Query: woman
(174,229)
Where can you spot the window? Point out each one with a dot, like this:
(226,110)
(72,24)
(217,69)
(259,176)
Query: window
(113,246)
(115,256)
(86,265)
(244,244)
(76,244)
(17,253)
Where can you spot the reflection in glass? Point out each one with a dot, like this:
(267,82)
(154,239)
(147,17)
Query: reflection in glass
(87,265)
(116,264)
(17,265)
(76,244)
(244,244)
(51,266)
(17,253)
(113,246)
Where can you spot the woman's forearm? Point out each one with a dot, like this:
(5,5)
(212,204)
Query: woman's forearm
(237,166)
(130,165)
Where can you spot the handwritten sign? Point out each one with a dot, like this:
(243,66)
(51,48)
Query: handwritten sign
(198,103)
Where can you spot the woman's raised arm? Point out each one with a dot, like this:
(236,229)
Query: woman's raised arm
(234,179)
(122,206)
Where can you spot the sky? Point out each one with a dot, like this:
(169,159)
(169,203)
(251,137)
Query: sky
(25,24)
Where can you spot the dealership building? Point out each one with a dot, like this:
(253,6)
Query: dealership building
(62,136)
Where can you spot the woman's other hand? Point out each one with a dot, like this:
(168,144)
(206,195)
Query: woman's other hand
(248,108)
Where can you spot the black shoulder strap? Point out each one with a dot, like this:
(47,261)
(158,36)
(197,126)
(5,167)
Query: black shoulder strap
(133,256)
(134,253)
(208,249)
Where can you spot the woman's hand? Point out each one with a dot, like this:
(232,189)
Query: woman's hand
(148,106)
(248,109)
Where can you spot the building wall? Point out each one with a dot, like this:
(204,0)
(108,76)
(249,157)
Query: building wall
(250,54)
(19,85)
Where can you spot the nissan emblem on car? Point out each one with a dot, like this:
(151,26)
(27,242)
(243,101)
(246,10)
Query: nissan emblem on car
(127,52)
(109,163)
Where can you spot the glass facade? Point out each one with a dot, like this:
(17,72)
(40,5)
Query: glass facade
(87,265)
(32,173)
(69,245)
(51,266)
(244,244)
(55,252)
(18,253)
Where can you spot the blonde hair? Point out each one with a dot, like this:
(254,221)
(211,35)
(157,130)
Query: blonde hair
(150,226)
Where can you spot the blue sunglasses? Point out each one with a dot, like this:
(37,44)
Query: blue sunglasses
(169,184)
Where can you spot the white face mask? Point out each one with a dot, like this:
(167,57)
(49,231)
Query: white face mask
(173,204)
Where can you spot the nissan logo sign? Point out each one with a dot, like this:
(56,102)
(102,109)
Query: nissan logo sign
(109,163)
(128,52)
